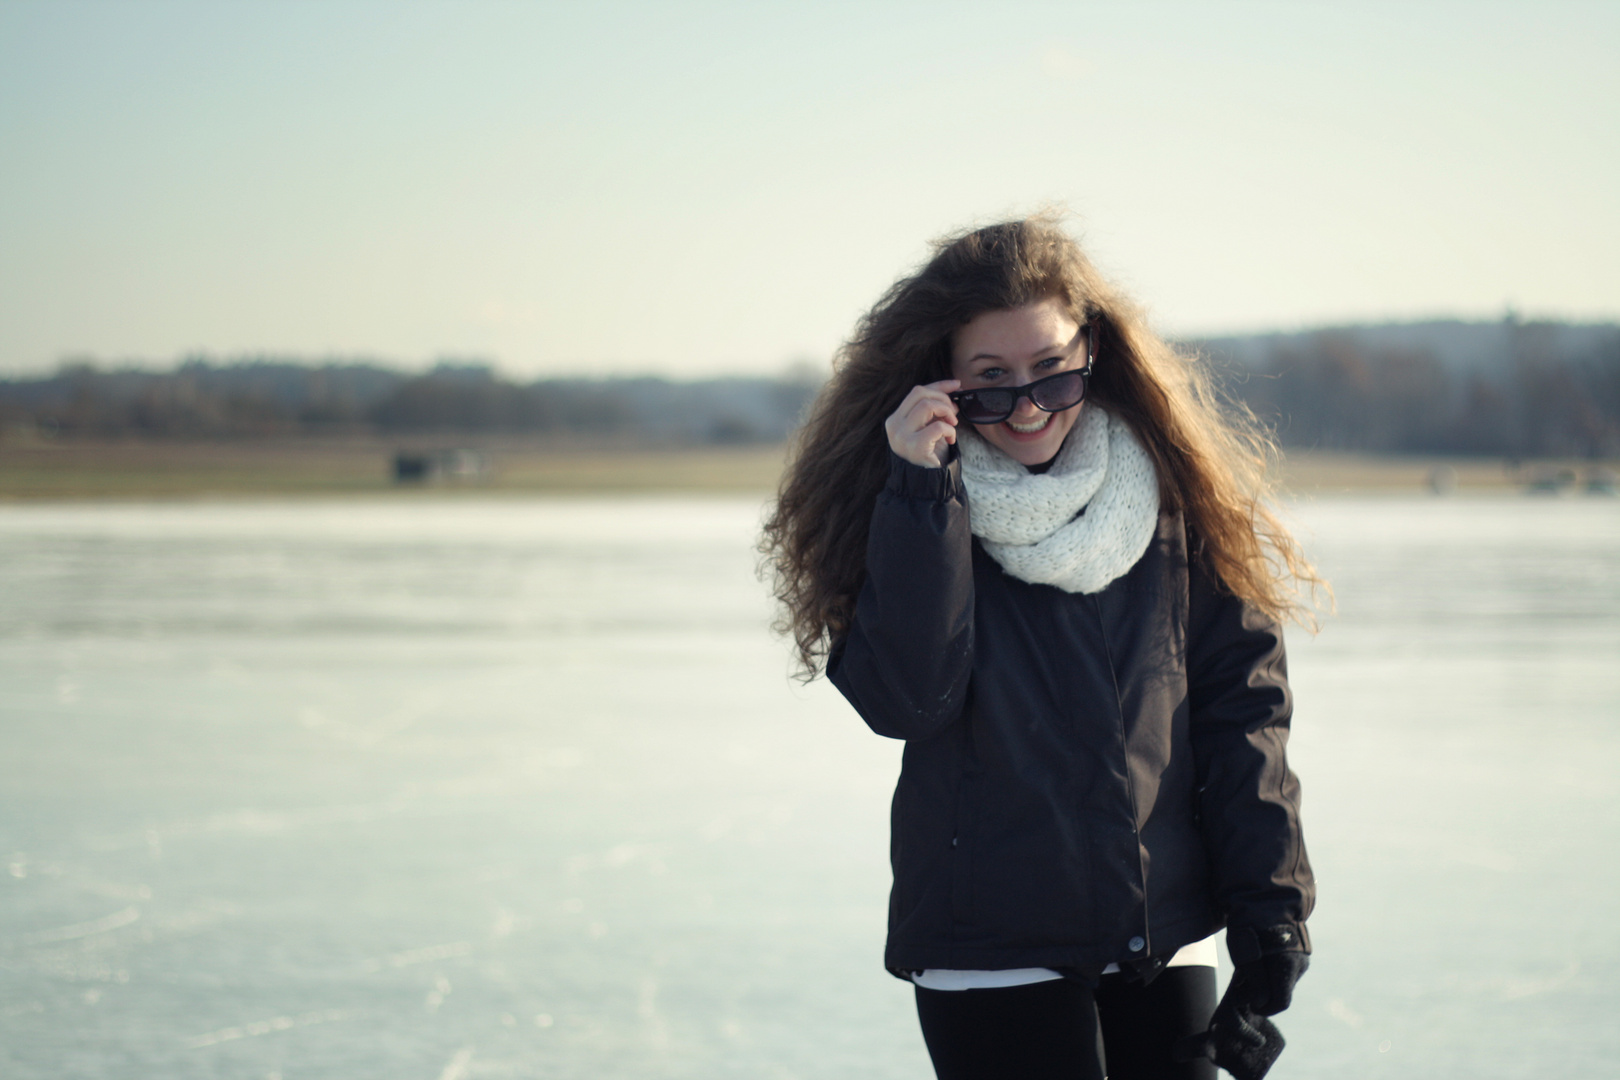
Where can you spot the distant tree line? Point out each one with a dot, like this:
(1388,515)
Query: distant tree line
(1509,389)
(261,397)
(1532,389)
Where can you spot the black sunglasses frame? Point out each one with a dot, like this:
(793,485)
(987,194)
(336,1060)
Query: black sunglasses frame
(1030,389)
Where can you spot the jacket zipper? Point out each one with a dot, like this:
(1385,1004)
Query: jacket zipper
(1130,782)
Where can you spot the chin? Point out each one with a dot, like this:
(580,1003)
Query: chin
(1031,448)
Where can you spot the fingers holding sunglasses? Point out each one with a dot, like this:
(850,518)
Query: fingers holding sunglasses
(924,424)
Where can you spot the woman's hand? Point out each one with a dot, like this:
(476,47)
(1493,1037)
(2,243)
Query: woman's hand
(924,423)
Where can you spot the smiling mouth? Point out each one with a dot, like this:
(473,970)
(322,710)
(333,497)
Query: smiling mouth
(1033,426)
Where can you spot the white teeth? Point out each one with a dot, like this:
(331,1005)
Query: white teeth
(1030,429)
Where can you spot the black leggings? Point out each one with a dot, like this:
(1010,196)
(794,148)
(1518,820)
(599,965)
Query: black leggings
(1062,1029)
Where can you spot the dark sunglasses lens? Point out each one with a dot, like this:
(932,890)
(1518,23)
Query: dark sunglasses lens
(986,406)
(1060,391)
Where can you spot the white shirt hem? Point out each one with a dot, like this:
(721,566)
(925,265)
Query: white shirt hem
(1198,954)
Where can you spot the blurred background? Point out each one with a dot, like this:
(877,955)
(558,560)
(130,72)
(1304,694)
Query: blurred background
(390,395)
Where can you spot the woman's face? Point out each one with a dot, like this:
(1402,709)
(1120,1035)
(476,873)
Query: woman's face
(1013,348)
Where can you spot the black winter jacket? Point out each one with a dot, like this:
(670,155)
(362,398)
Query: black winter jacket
(1087,778)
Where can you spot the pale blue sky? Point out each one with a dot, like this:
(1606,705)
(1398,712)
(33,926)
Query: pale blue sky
(697,187)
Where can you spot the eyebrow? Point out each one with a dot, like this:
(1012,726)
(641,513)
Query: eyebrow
(1041,353)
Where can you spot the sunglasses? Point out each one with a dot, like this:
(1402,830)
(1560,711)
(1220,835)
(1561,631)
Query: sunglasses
(1065,390)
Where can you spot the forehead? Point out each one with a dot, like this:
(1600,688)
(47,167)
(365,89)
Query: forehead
(1021,333)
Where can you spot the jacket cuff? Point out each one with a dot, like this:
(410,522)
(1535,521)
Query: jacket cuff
(1247,944)
(940,484)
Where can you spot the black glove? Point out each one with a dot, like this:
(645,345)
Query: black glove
(1240,1039)
(1266,985)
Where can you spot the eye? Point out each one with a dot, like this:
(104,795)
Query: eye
(990,374)
(1049,363)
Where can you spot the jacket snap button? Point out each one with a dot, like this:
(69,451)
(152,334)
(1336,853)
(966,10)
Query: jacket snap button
(1136,944)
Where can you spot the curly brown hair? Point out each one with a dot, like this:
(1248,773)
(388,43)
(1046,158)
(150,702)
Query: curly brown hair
(1211,456)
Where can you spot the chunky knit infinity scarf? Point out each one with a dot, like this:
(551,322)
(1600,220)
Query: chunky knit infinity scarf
(1078,526)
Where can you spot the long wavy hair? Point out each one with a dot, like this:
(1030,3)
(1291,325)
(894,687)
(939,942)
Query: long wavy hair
(1211,456)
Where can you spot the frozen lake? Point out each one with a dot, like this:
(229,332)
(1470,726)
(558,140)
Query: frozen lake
(460,789)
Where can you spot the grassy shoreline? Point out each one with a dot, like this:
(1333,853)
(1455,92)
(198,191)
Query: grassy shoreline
(61,471)
(134,470)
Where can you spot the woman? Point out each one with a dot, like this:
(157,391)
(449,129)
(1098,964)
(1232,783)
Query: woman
(1018,534)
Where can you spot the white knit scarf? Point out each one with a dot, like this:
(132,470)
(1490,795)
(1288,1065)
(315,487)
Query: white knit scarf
(1079,525)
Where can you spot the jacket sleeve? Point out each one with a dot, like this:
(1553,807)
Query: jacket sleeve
(1240,708)
(905,661)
